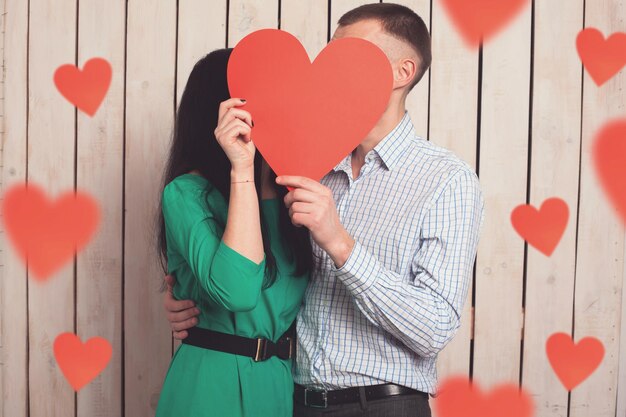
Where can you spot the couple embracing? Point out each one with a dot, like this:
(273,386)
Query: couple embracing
(333,298)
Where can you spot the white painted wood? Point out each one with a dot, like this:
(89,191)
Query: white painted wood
(503,173)
(621,382)
(100,164)
(308,21)
(246,16)
(150,95)
(51,165)
(555,159)
(600,262)
(13,284)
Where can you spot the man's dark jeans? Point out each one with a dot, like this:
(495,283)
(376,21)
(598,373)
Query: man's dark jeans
(399,406)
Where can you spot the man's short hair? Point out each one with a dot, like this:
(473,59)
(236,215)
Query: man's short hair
(399,22)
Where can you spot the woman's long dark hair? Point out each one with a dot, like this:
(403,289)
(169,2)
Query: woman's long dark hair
(194,147)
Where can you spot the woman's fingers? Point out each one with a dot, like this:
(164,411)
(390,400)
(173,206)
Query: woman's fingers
(227,105)
(235,129)
(235,113)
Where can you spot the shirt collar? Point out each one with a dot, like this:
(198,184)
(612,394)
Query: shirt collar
(391,148)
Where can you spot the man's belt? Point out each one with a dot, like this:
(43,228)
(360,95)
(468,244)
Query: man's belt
(322,399)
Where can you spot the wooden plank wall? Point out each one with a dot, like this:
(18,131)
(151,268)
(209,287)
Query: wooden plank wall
(520,110)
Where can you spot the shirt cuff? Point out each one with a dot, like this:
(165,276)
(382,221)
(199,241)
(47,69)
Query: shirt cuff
(360,270)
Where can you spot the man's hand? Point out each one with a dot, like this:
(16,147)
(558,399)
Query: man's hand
(181,314)
(312,205)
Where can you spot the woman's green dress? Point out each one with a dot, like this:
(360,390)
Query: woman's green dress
(227,288)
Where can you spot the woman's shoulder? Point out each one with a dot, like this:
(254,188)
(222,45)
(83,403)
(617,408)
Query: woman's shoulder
(191,186)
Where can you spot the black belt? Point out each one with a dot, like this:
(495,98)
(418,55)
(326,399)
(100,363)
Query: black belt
(322,399)
(258,349)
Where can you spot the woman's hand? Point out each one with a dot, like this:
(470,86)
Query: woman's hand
(233,134)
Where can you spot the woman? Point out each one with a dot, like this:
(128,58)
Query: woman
(227,237)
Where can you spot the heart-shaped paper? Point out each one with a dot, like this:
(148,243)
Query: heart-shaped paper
(609,154)
(479,20)
(81,362)
(573,363)
(602,58)
(457,397)
(307,117)
(542,228)
(47,234)
(87,88)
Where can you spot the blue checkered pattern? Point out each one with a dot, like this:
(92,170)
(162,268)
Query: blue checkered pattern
(415,212)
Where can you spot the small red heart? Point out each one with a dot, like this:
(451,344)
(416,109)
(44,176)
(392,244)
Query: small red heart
(47,234)
(573,363)
(81,362)
(87,88)
(479,20)
(457,397)
(609,152)
(542,228)
(602,58)
(307,117)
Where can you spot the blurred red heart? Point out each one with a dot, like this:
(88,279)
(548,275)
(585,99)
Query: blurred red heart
(457,397)
(478,20)
(573,362)
(609,154)
(542,228)
(81,362)
(44,233)
(309,116)
(602,58)
(87,88)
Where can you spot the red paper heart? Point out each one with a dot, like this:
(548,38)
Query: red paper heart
(81,362)
(542,228)
(479,20)
(609,152)
(307,117)
(47,234)
(457,397)
(573,363)
(602,58)
(87,88)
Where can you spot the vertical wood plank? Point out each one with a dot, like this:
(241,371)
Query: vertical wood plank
(246,16)
(417,101)
(554,159)
(13,282)
(51,153)
(503,171)
(453,109)
(621,382)
(600,262)
(308,21)
(100,164)
(339,7)
(150,95)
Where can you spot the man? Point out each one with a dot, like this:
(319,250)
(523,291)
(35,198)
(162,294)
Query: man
(394,230)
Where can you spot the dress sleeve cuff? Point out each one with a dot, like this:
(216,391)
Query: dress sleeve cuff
(360,270)
(246,266)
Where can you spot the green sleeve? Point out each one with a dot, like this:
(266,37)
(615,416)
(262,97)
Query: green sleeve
(229,278)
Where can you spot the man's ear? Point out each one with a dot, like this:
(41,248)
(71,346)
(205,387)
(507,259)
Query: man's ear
(405,71)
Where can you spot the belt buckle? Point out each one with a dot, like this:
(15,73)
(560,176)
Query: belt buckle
(324,397)
(261,347)
(285,348)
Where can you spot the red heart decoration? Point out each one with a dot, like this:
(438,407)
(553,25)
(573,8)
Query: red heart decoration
(542,228)
(87,88)
(81,362)
(47,234)
(479,20)
(573,363)
(609,154)
(307,117)
(457,397)
(602,58)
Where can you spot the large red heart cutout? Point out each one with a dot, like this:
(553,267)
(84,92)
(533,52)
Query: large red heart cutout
(457,397)
(81,362)
(573,362)
(308,116)
(602,58)
(479,20)
(609,152)
(47,234)
(542,228)
(87,88)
